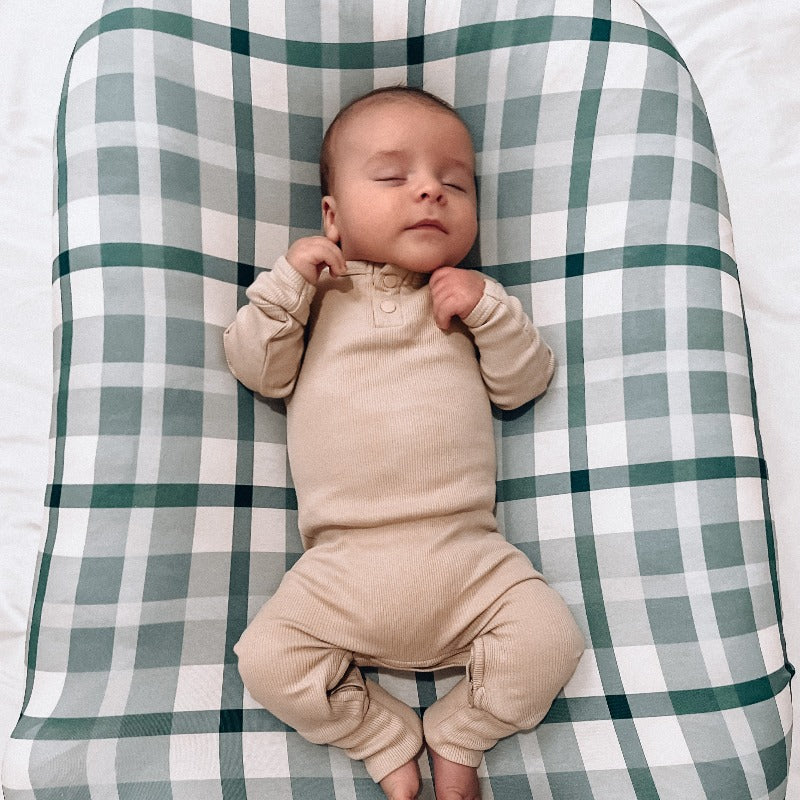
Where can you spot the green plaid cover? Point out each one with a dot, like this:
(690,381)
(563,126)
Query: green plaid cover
(187,144)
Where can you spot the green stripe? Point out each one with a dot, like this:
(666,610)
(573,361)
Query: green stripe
(634,475)
(179,259)
(471,39)
(686,703)
(169,495)
(210,495)
(245,498)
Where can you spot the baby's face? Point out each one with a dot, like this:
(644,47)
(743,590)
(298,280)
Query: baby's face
(403,187)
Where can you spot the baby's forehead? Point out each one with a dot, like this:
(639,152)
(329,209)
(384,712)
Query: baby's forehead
(363,114)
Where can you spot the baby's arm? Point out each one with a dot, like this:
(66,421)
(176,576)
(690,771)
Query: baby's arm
(264,344)
(515,362)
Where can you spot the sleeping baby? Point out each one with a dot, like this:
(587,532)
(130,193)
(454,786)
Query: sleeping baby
(389,357)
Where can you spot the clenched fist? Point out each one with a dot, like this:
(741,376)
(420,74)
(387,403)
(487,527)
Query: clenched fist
(311,254)
(455,293)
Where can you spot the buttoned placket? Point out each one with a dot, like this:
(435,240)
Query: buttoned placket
(387,305)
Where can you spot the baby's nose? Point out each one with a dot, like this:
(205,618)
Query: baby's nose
(432,190)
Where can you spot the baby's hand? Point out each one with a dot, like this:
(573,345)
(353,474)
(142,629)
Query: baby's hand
(310,255)
(455,292)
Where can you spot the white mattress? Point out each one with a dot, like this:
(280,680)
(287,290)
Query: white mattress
(745,59)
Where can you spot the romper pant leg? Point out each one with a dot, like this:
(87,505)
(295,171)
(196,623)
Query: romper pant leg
(521,660)
(317,690)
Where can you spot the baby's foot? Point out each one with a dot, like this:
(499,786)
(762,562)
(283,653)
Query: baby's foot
(403,783)
(454,781)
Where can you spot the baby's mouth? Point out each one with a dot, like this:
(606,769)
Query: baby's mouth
(428,224)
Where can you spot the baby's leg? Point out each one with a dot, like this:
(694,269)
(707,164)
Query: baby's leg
(519,663)
(315,689)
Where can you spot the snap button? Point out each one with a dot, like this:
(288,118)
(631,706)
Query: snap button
(390,281)
(388,306)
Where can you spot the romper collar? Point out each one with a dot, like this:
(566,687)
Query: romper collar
(387,275)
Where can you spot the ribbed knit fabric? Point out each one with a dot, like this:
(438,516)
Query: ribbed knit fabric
(391,447)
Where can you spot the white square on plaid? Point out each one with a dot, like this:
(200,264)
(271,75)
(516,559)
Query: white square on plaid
(212,11)
(269,83)
(213,530)
(731,294)
(548,303)
(626,66)
(554,518)
(268,530)
(602,293)
(629,13)
(440,78)
(743,435)
(47,689)
(194,757)
(220,233)
(213,72)
(566,64)
(441,17)
(84,63)
(611,511)
(391,22)
(551,449)
(599,745)
(79,458)
(725,235)
(607,445)
(585,681)
(572,8)
(83,219)
(71,539)
(272,241)
(86,293)
(217,460)
(269,464)
(265,755)
(549,234)
(773,657)
(640,669)
(605,225)
(199,687)
(266,18)
(662,741)
(749,499)
(219,302)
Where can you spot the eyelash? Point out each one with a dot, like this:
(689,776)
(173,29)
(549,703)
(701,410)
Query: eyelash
(455,186)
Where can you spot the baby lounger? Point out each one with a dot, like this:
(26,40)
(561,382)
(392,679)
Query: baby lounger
(187,147)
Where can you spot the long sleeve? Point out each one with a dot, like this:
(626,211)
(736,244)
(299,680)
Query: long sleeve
(515,362)
(264,344)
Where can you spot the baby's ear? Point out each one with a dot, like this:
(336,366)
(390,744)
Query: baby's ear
(329,218)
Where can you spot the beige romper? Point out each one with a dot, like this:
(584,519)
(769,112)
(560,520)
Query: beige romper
(392,453)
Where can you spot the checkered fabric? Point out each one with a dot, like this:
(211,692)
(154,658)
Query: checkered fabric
(187,146)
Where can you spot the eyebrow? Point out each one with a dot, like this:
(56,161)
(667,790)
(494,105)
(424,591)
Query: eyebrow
(388,155)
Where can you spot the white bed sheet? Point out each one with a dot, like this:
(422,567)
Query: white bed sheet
(745,58)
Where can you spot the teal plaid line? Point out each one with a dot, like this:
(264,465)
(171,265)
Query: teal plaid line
(194,262)
(565,709)
(586,546)
(168,495)
(470,39)
(634,475)
(182,495)
(239,571)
